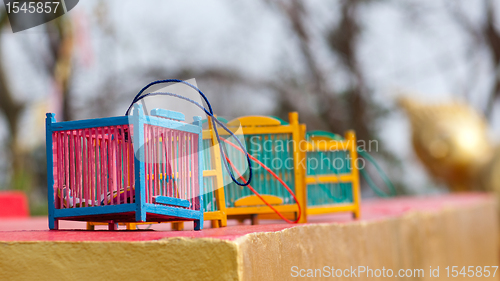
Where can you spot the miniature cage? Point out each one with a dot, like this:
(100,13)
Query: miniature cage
(332,173)
(134,168)
(276,144)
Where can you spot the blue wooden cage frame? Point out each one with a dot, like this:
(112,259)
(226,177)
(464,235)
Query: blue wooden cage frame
(139,208)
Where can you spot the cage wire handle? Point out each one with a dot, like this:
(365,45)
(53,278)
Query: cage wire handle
(227,160)
(221,146)
(209,112)
(242,150)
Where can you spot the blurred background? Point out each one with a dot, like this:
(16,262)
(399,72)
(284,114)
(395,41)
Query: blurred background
(341,64)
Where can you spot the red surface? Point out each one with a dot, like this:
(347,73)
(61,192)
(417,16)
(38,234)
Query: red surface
(35,229)
(13,204)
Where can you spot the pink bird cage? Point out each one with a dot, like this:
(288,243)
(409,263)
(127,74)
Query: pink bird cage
(137,168)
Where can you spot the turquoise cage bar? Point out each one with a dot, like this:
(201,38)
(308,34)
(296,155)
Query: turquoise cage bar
(335,162)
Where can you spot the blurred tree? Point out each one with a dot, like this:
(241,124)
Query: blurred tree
(484,37)
(336,108)
(11,109)
(57,65)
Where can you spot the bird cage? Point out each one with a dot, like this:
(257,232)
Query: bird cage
(263,135)
(332,173)
(137,168)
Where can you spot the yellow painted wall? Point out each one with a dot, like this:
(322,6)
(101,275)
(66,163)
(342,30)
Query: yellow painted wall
(453,236)
(173,259)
